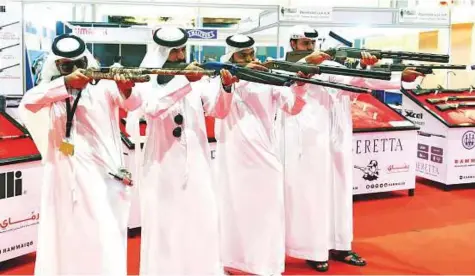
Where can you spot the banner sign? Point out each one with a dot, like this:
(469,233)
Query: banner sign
(203,33)
(20,196)
(461,158)
(431,156)
(322,14)
(381,162)
(11,49)
(133,35)
(424,15)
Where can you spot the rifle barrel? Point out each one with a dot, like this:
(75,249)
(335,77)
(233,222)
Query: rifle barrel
(380,54)
(325,69)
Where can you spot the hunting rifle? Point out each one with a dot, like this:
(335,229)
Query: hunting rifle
(325,69)
(450,98)
(421,91)
(213,69)
(445,107)
(10,46)
(347,52)
(9,24)
(425,69)
(8,67)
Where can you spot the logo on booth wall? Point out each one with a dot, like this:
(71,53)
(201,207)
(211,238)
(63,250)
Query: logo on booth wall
(468,140)
(397,168)
(11,184)
(377,145)
(202,34)
(3,9)
(413,115)
(10,224)
(371,171)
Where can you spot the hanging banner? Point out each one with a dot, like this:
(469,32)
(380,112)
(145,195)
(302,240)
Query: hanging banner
(314,14)
(202,33)
(133,35)
(11,49)
(424,15)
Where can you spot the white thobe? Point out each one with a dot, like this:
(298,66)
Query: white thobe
(84,211)
(318,169)
(341,140)
(250,178)
(178,207)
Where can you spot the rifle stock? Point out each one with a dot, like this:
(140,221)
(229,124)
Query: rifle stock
(451,98)
(419,91)
(445,107)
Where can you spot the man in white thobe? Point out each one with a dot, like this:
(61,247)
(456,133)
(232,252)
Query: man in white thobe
(318,159)
(178,208)
(250,173)
(75,125)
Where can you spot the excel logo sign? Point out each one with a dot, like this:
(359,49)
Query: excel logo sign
(11,184)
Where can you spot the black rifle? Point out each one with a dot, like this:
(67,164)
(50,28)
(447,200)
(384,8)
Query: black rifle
(273,78)
(9,24)
(421,91)
(8,67)
(11,46)
(450,98)
(324,69)
(445,107)
(347,52)
(425,69)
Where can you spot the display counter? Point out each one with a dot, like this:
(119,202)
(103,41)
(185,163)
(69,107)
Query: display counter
(383,140)
(446,140)
(21,174)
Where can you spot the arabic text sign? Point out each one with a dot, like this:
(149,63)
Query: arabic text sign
(20,195)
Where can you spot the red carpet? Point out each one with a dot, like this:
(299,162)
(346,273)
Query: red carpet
(430,233)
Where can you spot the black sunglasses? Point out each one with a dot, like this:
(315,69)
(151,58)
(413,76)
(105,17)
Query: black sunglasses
(67,66)
(178,119)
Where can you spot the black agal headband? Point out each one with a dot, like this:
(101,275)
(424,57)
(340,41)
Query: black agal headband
(68,53)
(240,44)
(170,43)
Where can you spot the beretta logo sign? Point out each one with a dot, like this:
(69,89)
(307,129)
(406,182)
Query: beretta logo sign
(11,184)
(468,140)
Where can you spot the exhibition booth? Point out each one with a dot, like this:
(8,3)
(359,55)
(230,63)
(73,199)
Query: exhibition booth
(406,134)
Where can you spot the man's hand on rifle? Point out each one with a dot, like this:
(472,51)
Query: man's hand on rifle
(410,75)
(317,57)
(194,76)
(256,65)
(303,76)
(124,85)
(368,59)
(77,79)
(227,79)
